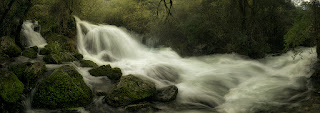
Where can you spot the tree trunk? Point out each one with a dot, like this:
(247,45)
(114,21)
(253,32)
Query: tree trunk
(18,30)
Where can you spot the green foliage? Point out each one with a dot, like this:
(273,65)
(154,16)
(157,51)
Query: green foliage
(30,53)
(10,86)
(64,88)
(9,47)
(28,73)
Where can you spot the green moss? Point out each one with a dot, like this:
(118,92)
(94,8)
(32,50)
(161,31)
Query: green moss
(30,53)
(52,59)
(78,56)
(53,48)
(10,86)
(65,43)
(64,88)
(130,89)
(9,47)
(59,58)
(88,63)
(28,73)
(106,70)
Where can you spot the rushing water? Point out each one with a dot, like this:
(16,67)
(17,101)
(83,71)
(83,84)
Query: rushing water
(31,32)
(226,83)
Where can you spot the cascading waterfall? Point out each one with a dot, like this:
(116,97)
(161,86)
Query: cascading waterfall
(226,83)
(31,32)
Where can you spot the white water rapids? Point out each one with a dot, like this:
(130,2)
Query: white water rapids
(226,83)
(32,36)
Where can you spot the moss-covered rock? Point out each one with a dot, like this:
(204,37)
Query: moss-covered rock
(9,47)
(30,53)
(4,58)
(65,43)
(35,48)
(130,89)
(78,56)
(59,58)
(106,70)
(52,48)
(89,63)
(52,59)
(64,88)
(29,73)
(11,87)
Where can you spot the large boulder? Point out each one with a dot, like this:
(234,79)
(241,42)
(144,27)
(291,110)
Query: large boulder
(106,70)
(30,53)
(9,47)
(11,87)
(64,88)
(11,90)
(130,89)
(89,63)
(29,73)
(166,94)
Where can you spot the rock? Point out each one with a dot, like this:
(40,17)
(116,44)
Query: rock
(35,48)
(130,89)
(63,89)
(66,43)
(29,73)
(4,58)
(138,107)
(52,59)
(89,63)
(106,70)
(78,56)
(30,53)
(52,48)
(9,47)
(44,51)
(11,87)
(166,94)
(59,58)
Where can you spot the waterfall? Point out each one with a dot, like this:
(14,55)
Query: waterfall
(31,32)
(225,83)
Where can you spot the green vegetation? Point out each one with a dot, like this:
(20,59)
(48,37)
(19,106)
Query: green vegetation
(30,53)
(29,73)
(106,70)
(10,86)
(130,89)
(64,88)
(88,63)
(9,47)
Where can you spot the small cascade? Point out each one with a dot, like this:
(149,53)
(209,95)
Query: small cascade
(226,83)
(31,32)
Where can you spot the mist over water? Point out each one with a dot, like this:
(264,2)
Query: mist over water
(225,83)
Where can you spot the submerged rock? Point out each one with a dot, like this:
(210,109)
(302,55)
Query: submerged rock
(89,63)
(9,47)
(64,88)
(106,70)
(166,94)
(30,53)
(141,107)
(130,89)
(11,87)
